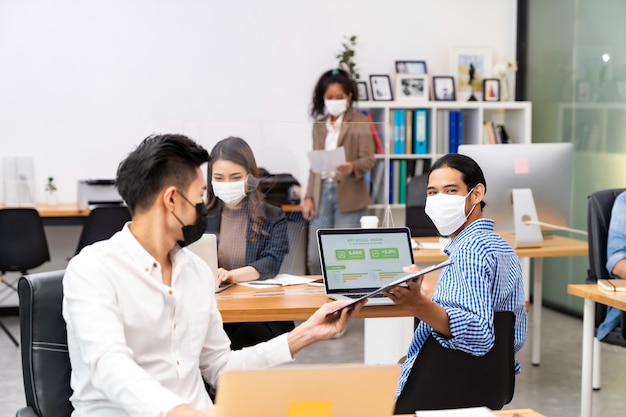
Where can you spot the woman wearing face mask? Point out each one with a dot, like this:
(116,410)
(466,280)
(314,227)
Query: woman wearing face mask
(338,198)
(252,235)
(485,275)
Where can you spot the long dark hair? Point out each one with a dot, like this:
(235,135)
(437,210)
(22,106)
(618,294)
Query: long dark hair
(471,174)
(330,77)
(238,151)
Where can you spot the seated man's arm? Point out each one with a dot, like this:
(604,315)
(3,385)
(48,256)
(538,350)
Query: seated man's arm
(616,246)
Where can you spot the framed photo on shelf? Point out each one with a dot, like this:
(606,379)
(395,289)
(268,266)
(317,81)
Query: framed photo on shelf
(491,89)
(411,67)
(381,88)
(470,66)
(443,88)
(361,89)
(412,87)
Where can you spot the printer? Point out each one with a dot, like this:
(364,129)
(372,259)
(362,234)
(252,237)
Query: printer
(97,192)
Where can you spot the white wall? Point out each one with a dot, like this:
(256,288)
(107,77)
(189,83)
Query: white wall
(83,81)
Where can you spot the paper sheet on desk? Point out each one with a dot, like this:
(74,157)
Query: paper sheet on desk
(326,161)
(279,280)
(458,412)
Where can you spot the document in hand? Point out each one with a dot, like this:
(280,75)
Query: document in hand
(324,161)
(402,280)
(279,280)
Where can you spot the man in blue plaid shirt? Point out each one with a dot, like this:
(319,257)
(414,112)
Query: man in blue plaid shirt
(485,274)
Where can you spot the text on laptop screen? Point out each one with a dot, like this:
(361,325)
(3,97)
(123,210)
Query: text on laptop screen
(363,258)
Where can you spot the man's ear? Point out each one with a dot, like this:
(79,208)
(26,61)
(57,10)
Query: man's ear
(478,194)
(168,197)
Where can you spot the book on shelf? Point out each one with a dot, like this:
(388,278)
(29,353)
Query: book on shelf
(455,137)
(402,181)
(408,135)
(443,132)
(420,121)
(494,133)
(377,190)
(399,132)
(612,285)
(396,182)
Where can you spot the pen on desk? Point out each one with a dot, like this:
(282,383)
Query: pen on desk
(275,284)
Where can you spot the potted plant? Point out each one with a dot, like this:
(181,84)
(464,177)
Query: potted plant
(51,192)
(346,57)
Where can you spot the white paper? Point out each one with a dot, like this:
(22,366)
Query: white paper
(324,161)
(279,280)
(459,412)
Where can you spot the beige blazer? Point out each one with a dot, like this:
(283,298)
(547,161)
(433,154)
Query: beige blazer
(356,138)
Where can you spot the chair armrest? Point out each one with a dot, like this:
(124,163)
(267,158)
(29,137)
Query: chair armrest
(26,412)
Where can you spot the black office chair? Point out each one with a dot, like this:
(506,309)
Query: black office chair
(23,246)
(102,223)
(45,360)
(447,378)
(417,220)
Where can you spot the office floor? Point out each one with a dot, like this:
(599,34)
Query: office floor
(552,388)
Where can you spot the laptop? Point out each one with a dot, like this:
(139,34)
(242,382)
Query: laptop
(308,391)
(206,249)
(356,261)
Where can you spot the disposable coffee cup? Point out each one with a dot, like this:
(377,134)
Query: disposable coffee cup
(369,222)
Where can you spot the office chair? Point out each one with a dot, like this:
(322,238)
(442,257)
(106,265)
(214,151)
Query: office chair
(447,378)
(45,359)
(23,246)
(102,223)
(599,205)
(416,219)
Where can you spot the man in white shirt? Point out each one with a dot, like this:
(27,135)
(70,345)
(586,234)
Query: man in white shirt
(142,321)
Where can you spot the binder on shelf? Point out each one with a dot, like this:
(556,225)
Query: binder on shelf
(408,135)
(391,175)
(420,121)
(399,127)
(504,137)
(456,131)
(402,182)
(396,182)
(378,144)
(443,135)
(377,190)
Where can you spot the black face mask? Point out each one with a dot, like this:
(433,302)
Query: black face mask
(193,232)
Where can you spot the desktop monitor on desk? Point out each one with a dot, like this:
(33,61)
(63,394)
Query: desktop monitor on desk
(525,182)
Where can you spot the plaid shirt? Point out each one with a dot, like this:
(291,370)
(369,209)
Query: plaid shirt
(485,276)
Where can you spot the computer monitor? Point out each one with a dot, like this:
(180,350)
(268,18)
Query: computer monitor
(510,170)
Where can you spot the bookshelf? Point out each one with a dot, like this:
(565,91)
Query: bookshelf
(433,119)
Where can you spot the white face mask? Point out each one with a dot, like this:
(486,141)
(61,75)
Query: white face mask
(230,192)
(447,212)
(336,107)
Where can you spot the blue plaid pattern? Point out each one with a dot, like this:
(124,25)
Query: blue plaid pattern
(485,276)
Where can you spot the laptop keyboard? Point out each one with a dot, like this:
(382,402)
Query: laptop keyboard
(379,295)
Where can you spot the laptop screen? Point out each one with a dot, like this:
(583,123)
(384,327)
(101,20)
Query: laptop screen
(361,260)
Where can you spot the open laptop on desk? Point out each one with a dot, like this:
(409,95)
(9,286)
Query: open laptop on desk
(339,390)
(356,262)
(206,248)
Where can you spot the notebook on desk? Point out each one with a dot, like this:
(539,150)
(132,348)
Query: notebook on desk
(320,391)
(356,262)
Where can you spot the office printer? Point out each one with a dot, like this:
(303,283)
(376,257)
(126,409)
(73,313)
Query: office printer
(97,192)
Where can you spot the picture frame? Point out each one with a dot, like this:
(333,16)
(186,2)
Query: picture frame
(491,89)
(443,88)
(470,63)
(411,67)
(412,87)
(361,89)
(381,87)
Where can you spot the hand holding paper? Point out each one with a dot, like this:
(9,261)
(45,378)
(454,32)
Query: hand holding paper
(324,161)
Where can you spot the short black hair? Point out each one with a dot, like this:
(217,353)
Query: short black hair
(330,77)
(158,161)
(471,174)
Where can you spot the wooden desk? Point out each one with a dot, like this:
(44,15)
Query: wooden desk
(526,412)
(295,302)
(592,295)
(553,245)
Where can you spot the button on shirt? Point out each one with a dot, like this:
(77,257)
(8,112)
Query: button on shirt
(139,346)
(485,276)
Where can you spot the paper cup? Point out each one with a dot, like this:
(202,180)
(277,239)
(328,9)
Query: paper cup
(369,222)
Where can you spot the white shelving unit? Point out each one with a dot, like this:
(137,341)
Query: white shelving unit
(514,115)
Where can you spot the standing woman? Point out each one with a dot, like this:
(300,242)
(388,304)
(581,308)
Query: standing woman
(341,197)
(252,235)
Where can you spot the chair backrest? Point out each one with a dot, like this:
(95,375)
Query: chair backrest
(416,218)
(102,223)
(599,207)
(448,378)
(45,360)
(23,243)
